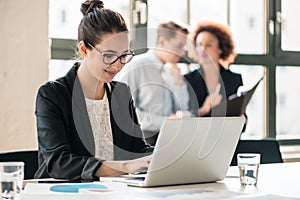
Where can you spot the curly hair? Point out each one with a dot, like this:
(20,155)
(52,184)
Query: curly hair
(222,33)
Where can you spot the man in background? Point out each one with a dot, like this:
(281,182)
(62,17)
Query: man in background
(152,97)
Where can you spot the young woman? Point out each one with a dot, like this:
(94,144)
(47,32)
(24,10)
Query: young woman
(87,125)
(212,83)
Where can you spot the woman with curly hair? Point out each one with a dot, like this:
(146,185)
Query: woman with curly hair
(213,82)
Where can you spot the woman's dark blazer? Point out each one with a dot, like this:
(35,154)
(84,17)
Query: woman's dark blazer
(65,138)
(197,86)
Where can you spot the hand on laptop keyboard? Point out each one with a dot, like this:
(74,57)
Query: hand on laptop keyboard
(138,165)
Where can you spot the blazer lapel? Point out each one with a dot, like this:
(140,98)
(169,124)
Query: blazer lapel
(81,118)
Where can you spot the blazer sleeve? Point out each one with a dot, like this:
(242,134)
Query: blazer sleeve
(59,159)
(140,144)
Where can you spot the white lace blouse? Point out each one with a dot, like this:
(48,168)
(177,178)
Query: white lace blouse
(98,111)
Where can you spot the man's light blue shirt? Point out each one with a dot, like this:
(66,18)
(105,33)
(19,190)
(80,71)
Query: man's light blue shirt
(143,75)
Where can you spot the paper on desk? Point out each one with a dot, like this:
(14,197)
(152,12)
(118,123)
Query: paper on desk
(34,191)
(50,188)
(188,194)
(121,190)
(264,197)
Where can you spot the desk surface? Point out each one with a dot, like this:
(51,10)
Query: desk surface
(275,181)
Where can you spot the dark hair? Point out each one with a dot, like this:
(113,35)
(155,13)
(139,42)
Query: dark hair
(98,21)
(221,32)
(168,30)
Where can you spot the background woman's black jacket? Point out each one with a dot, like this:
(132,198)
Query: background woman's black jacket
(230,82)
(65,138)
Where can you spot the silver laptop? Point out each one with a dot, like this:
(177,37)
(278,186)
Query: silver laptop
(191,150)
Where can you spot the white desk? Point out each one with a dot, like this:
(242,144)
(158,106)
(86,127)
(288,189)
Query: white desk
(280,180)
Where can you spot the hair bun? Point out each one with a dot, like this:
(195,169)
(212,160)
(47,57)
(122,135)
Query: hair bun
(89,5)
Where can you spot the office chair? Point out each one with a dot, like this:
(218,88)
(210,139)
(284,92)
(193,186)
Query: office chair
(268,148)
(30,158)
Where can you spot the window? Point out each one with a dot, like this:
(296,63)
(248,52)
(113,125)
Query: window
(208,10)
(288,107)
(247,25)
(64,18)
(289,31)
(58,68)
(157,14)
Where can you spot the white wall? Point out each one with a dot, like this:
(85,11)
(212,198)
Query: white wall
(24,57)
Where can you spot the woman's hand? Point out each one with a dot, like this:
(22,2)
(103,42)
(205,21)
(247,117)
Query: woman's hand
(210,101)
(116,168)
(138,165)
(173,116)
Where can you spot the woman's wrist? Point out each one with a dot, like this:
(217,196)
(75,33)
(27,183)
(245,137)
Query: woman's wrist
(112,168)
(203,111)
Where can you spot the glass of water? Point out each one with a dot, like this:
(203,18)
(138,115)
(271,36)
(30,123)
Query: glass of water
(11,179)
(248,164)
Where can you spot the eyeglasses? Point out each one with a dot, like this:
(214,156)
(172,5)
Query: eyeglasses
(110,58)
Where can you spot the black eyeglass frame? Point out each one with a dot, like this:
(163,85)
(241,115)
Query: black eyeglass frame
(122,56)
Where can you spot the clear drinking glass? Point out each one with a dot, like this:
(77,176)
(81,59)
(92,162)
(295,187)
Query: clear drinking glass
(11,179)
(248,164)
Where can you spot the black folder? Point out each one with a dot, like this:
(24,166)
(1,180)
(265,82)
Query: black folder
(236,104)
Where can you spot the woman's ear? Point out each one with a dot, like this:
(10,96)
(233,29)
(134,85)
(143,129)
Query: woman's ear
(82,49)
